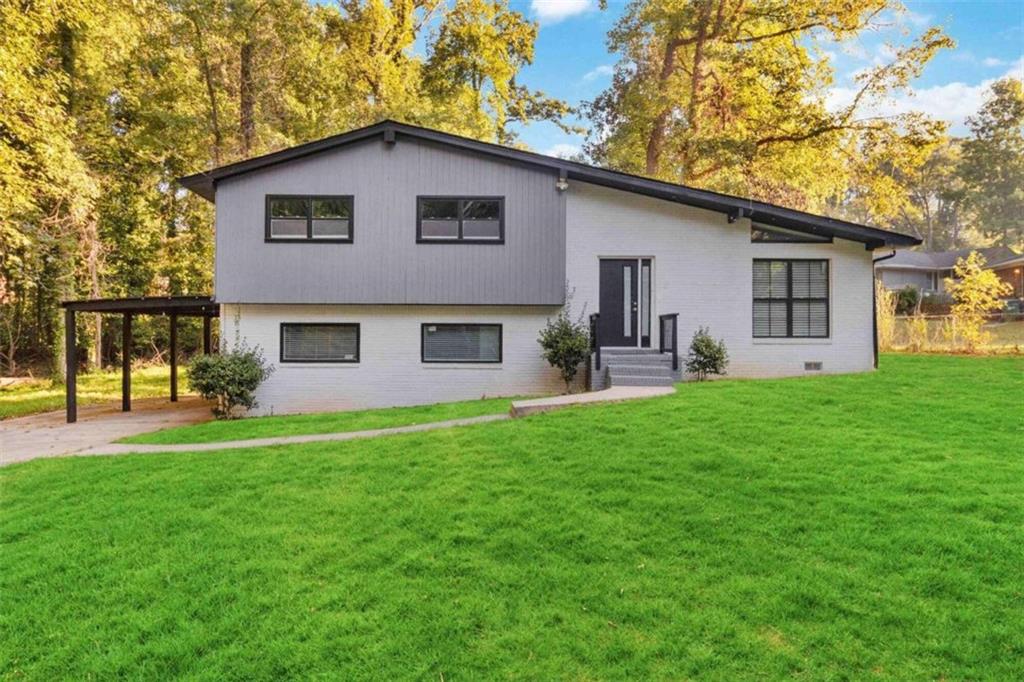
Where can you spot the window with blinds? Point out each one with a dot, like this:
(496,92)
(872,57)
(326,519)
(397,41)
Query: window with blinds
(791,299)
(319,342)
(471,220)
(292,218)
(461,343)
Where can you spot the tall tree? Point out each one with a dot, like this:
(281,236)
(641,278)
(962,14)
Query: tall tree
(730,95)
(993,164)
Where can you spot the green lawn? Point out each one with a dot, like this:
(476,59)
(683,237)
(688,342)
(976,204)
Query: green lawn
(856,527)
(327,422)
(94,387)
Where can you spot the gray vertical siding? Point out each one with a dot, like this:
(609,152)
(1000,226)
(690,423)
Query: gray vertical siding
(385,265)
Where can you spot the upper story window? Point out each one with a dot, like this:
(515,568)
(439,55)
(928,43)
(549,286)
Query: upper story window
(763,233)
(791,299)
(470,220)
(292,218)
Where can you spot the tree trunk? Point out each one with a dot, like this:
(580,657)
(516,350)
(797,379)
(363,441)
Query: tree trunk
(246,98)
(211,93)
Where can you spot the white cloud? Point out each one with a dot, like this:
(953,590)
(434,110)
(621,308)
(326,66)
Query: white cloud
(599,72)
(562,150)
(553,11)
(951,102)
(993,61)
(914,18)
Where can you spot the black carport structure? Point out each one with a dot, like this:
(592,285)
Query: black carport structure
(171,306)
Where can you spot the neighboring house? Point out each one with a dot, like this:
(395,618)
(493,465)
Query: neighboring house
(926,271)
(395,265)
(1011,271)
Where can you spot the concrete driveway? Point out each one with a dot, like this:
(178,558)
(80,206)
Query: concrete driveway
(49,435)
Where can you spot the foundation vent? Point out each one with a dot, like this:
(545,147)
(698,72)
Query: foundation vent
(812,366)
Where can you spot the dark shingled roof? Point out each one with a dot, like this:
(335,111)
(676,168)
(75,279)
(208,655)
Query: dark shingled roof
(944,260)
(204,184)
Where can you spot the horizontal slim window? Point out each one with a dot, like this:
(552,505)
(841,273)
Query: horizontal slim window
(309,218)
(304,342)
(478,220)
(461,343)
(762,233)
(791,299)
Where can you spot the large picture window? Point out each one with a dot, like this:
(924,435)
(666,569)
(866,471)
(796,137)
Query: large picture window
(461,343)
(471,220)
(791,299)
(319,342)
(293,218)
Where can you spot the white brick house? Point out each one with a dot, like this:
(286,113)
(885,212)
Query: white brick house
(395,265)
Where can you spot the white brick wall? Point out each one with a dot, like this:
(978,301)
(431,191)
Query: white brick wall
(702,269)
(390,372)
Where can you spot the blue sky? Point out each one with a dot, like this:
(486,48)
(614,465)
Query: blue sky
(572,61)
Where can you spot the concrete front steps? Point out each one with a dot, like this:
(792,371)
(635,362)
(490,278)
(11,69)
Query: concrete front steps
(636,367)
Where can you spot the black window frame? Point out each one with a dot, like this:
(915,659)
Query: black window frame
(420,239)
(423,343)
(309,238)
(319,361)
(789,299)
(796,237)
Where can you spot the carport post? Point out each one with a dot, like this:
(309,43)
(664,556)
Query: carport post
(207,334)
(126,363)
(70,367)
(174,358)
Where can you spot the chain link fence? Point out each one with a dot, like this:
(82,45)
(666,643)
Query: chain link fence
(1004,332)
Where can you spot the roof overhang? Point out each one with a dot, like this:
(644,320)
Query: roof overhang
(204,184)
(1008,263)
(186,306)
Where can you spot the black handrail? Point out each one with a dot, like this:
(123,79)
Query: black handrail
(595,345)
(674,342)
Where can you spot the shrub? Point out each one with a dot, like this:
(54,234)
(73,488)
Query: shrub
(230,378)
(885,314)
(907,300)
(976,292)
(706,355)
(565,344)
(917,333)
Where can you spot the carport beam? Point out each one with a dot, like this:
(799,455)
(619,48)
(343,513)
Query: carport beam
(70,367)
(174,358)
(126,363)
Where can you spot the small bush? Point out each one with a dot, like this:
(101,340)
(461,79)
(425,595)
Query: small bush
(706,355)
(230,378)
(907,300)
(565,344)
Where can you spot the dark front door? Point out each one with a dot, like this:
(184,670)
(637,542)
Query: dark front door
(618,301)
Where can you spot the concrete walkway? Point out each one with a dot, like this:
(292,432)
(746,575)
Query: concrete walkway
(49,435)
(124,449)
(521,408)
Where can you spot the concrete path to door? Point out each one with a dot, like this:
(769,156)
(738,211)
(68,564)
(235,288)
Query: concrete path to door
(49,435)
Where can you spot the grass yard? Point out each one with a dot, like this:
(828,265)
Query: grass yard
(327,422)
(94,387)
(856,527)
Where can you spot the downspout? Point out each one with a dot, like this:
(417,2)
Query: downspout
(874,305)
